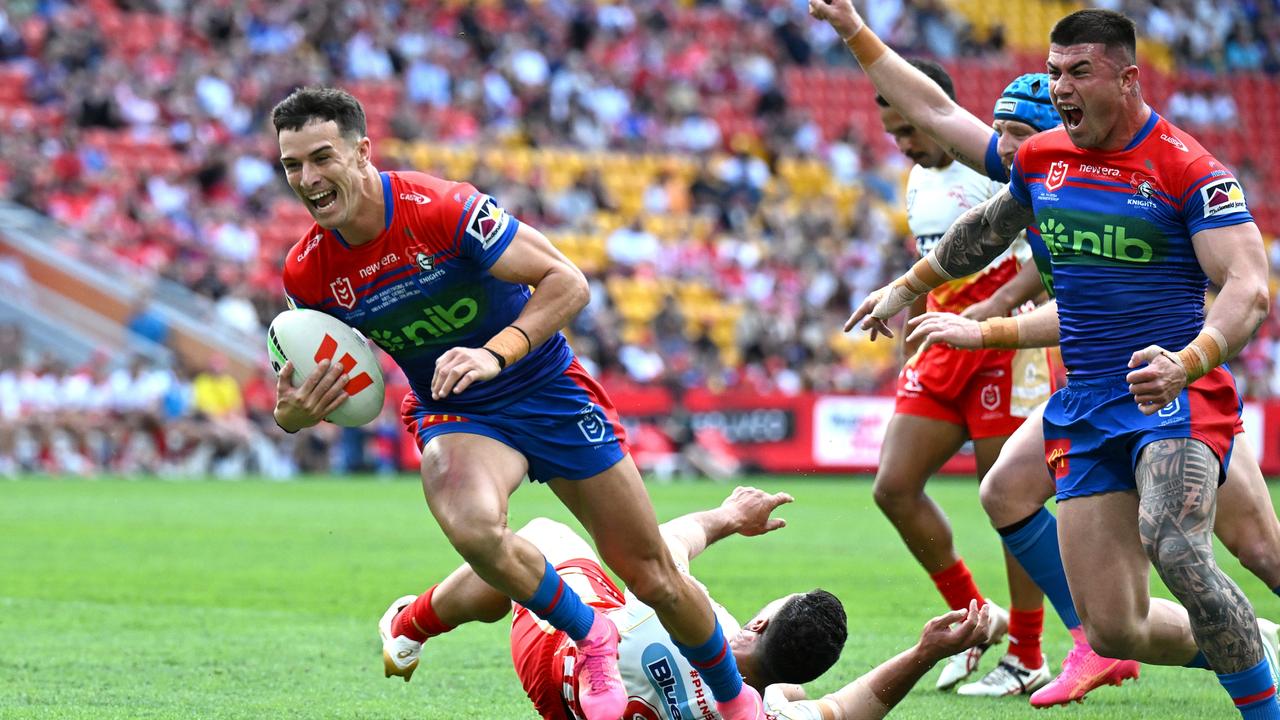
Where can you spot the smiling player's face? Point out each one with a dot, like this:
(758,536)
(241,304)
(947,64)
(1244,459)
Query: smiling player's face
(1088,85)
(324,168)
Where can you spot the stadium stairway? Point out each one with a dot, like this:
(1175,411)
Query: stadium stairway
(74,302)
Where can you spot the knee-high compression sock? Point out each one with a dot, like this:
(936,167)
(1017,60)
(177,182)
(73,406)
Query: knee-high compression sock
(1034,542)
(716,664)
(418,621)
(956,586)
(1253,691)
(558,604)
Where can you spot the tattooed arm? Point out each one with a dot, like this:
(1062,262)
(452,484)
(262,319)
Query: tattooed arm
(972,242)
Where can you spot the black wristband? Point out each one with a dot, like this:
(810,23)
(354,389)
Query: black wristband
(525,334)
(502,362)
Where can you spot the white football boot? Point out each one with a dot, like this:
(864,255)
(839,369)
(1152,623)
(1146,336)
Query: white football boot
(399,653)
(1009,677)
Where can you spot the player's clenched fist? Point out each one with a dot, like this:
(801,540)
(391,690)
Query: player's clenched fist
(459,368)
(839,13)
(306,405)
(1157,384)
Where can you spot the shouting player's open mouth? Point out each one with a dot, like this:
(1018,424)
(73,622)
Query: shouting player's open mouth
(323,200)
(1071,115)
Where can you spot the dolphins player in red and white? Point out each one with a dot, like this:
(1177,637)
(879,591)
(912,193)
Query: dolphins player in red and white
(945,398)
(793,639)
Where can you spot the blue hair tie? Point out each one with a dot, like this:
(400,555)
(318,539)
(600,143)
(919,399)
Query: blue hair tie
(1026,100)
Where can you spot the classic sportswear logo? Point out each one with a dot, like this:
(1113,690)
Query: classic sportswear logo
(1174,142)
(438,322)
(1114,243)
(417,198)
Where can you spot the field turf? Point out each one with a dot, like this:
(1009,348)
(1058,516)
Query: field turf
(150,599)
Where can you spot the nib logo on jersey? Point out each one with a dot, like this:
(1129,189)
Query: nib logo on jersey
(1091,238)
(424,325)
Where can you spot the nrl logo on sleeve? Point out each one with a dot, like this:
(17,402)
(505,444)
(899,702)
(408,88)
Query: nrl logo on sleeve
(1057,175)
(488,222)
(1222,197)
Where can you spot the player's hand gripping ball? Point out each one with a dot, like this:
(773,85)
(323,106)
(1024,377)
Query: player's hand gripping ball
(306,337)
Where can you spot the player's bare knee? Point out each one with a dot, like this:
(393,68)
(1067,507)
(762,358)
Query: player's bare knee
(654,579)
(1111,637)
(478,540)
(1259,556)
(895,498)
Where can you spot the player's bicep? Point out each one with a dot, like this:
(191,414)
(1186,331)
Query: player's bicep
(529,258)
(1231,251)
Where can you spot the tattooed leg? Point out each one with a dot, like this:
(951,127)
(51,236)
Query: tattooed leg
(1178,483)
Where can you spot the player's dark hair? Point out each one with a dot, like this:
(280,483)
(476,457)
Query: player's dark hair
(935,73)
(804,638)
(1112,29)
(320,103)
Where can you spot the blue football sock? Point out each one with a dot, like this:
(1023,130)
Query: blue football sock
(1276,589)
(1199,661)
(1034,542)
(1253,691)
(716,664)
(558,604)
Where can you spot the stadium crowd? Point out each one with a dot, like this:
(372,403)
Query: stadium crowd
(142,124)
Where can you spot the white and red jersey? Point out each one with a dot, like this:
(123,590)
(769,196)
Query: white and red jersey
(936,197)
(660,683)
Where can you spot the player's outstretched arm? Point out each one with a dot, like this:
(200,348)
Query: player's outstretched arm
(1038,328)
(969,245)
(1233,257)
(906,89)
(873,695)
(745,512)
(1026,285)
(561,292)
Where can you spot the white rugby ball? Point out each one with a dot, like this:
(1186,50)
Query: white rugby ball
(306,337)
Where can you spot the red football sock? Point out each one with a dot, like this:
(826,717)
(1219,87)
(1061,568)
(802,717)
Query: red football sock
(1025,629)
(418,621)
(957,586)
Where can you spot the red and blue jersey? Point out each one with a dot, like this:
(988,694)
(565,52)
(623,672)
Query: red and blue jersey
(1118,227)
(423,286)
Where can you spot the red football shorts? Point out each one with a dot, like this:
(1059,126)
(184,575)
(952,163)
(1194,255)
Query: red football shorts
(970,388)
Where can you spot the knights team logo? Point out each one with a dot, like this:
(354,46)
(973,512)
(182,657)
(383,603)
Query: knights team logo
(1143,185)
(425,262)
(1222,197)
(1057,175)
(343,292)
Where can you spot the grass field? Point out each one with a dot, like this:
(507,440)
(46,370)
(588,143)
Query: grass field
(147,599)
